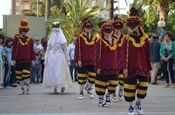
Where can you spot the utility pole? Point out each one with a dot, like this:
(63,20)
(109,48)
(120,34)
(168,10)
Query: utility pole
(111,8)
(37,8)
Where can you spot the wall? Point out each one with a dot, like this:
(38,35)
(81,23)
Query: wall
(11,25)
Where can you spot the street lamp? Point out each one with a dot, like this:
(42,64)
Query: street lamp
(161,23)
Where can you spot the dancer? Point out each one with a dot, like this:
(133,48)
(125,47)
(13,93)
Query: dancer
(23,56)
(136,62)
(56,71)
(106,64)
(84,58)
(118,27)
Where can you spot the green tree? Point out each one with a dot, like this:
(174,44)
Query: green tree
(76,10)
(41,8)
(162,6)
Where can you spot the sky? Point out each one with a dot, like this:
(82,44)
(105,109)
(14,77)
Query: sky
(5,7)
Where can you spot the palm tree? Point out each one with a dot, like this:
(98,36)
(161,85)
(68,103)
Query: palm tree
(47,14)
(48,7)
(76,10)
(162,6)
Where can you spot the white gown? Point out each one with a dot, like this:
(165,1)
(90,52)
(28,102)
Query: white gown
(56,71)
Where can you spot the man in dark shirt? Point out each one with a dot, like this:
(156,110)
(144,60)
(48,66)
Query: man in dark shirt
(155,58)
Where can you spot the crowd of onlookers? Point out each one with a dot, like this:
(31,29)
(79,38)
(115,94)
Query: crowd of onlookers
(7,70)
(162,57)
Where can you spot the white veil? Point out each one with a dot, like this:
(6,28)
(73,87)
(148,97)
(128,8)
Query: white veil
(57,36)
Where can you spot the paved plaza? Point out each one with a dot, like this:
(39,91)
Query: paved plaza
(159,101)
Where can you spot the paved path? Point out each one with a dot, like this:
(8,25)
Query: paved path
(159,101)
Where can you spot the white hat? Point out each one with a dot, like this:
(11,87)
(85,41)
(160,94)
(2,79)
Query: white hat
(56,23)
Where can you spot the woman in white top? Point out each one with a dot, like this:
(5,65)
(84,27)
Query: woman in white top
(56,71)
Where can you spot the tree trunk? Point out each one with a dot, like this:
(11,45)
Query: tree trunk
(47,15)
(48,6)
(163,9)
(110,9)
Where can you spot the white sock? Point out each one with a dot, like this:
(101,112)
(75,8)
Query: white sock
(27,81)
(120,87)
(81,88)
(131,104)
(89,85)
(138,100)
(22,84)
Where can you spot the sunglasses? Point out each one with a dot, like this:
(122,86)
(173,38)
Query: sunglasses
(88,26)
(108,30)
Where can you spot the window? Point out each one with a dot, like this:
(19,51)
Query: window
(25,6)
(17,4)
(105,4)
(105,15)
(17,13)
(93,3)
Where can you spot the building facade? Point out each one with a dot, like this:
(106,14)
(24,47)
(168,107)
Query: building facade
(20,6)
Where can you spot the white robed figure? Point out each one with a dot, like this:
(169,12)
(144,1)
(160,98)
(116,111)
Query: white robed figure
(56,71)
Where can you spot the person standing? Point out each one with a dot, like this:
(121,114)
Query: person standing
(84,58)
(2,56)
(167,53)
(56,71)
(8,62)
(136,62)
(71,51)
(155,58)
(43,51)
(23,56)
(118,27)
(106,64)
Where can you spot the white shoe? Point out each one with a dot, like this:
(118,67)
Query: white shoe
(131,111)
(81,96)
(90,93)
(114,97)
(120,93)
(138,108)
(103,104)
(108,99)
(22,92)
(28,89)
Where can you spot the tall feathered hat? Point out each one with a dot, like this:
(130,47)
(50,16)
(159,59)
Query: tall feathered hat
(134,19)
(117,23)
(84,22)
(24,26)
(103,25)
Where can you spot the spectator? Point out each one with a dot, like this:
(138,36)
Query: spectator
(43,51)
(37,47)
(71,51)
(36,70)
(167,53)
(162,31)
(155,58)
(8,62)
(2,55)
